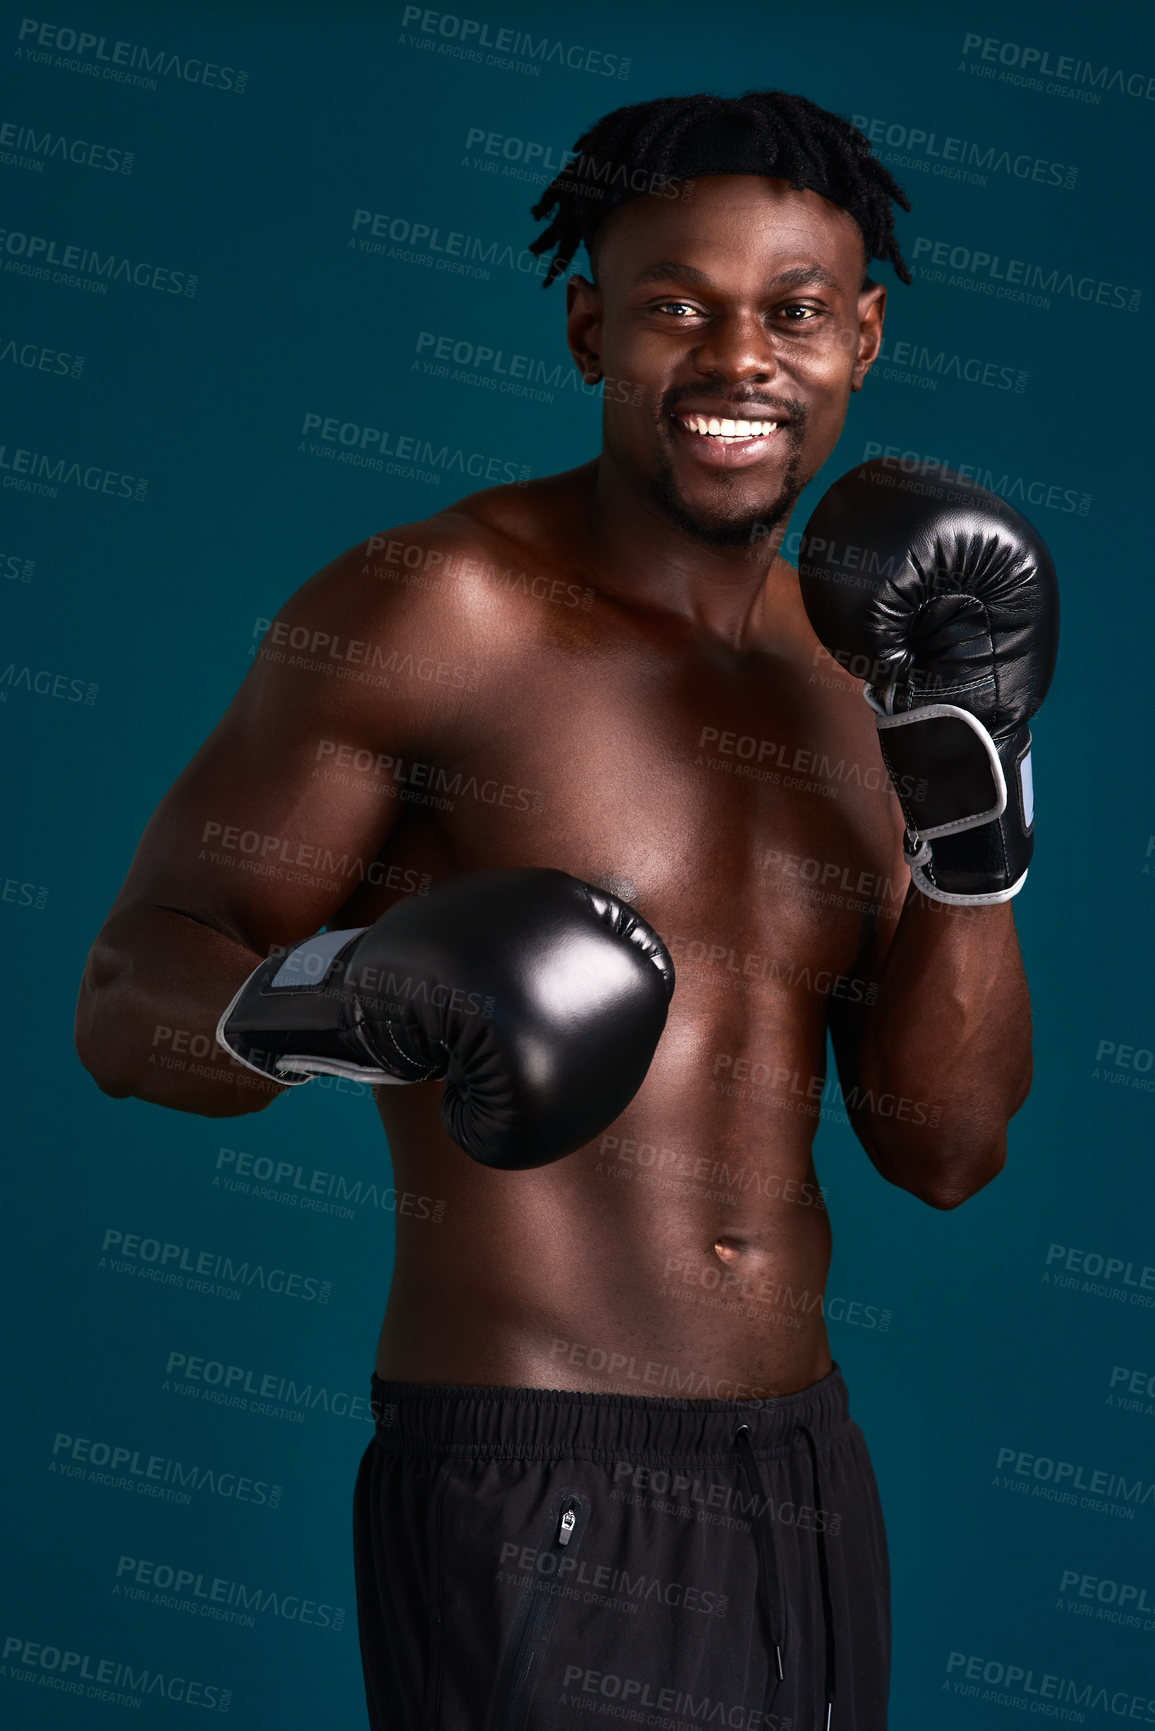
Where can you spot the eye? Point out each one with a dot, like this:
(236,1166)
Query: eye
(798,313)
(676,308)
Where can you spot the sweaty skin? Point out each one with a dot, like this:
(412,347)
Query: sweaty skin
(609,671)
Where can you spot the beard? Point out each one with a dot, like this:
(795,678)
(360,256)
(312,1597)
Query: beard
(722,528)
(736,526)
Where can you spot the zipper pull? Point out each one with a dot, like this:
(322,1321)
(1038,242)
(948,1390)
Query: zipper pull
(567,1524)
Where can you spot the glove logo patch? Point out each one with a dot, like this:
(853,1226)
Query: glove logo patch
(308,963)
(1027,790)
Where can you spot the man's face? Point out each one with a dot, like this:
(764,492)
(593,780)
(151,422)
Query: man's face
(741,304)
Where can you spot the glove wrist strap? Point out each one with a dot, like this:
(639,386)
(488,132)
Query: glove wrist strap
(298,1015)
(962,790)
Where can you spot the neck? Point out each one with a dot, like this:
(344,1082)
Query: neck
(645,560)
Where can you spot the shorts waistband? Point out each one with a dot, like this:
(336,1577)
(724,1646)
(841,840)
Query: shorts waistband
(544,1423)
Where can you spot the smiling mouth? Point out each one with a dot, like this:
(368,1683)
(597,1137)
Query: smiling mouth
(725,431)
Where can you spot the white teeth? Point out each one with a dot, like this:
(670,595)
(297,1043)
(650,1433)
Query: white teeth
(727,429)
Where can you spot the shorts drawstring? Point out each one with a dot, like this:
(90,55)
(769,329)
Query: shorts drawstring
(768,1565)
(823,1575)
(763,1538)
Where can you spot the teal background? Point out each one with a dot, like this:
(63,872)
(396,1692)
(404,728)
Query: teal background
(153,602)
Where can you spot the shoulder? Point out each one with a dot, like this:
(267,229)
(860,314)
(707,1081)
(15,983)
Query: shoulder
(451,589)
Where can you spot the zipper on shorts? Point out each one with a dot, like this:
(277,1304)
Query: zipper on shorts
(535,1620)
(568,1522)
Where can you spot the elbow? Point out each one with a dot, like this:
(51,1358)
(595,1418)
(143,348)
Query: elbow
(942,1176)
(953,1181)
(945,1196)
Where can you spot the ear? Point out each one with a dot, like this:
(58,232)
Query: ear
(583,326)
(871,309)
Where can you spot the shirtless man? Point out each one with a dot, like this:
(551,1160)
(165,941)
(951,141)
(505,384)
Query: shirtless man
(613,1461)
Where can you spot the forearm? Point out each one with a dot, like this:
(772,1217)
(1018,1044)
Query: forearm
(153,991)
(945,1057)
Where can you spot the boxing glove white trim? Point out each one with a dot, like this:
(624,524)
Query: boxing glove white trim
(287,1081)
(309,1066)
(306,964)
(922,882)
(940,711)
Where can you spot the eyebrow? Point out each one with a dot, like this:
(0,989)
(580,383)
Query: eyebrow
(671,270)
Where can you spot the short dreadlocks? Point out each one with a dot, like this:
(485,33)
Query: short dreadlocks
(650,146)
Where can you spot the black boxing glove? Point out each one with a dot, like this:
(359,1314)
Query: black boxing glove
(946,601)
(538,999)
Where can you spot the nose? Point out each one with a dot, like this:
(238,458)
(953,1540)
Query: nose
(737,348)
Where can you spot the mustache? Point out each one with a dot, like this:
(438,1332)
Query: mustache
(753,404)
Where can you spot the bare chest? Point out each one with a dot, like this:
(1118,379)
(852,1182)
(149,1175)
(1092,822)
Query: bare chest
(742,808)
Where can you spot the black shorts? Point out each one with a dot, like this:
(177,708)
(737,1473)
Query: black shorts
(527,1558)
